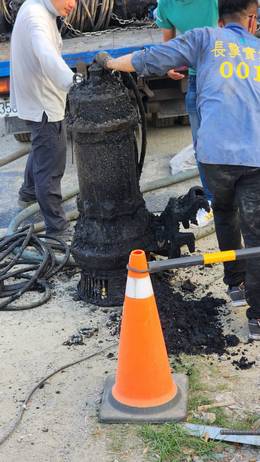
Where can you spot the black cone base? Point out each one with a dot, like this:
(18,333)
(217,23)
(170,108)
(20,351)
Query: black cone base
(111,411)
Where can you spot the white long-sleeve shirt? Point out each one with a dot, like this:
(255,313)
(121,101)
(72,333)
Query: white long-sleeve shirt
(40,78)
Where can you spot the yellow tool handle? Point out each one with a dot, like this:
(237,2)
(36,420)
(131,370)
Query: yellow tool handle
(219,257)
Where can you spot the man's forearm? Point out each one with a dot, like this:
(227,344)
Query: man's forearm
(168,34)
(124,63)
(155,60)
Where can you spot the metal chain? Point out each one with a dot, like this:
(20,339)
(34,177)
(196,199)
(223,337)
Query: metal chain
(121,21)
(136,25)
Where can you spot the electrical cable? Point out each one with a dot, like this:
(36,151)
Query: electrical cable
(27,213)
(33,277)
(4,435)
(130,82)
(5,10)
(90,15)
(109,14)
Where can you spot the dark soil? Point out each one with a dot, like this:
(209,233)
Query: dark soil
(188,286)
(78,338)
(243,363)
(190,326)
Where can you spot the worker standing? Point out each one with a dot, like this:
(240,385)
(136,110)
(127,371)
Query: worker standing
(184,15)
(227,61)
(40,80)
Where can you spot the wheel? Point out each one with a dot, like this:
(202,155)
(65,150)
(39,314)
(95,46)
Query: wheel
(23,137)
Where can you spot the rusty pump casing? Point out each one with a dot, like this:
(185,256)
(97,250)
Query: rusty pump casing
(113,218)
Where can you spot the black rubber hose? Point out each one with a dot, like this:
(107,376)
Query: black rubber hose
(9,248)
(19,253)
(32,277)
(37,274)
(45,298)
(132,84)
(66,251)
(15,274)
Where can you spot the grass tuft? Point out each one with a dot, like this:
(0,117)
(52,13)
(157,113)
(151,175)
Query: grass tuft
(172,443)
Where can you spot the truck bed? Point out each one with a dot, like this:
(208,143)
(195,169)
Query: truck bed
(84,48)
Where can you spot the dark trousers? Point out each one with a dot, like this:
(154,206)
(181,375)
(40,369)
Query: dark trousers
(236,207)
(44,170)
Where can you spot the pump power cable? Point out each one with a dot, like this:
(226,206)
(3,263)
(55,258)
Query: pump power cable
(18,276)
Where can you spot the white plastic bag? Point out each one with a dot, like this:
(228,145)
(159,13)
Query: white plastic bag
(183,160)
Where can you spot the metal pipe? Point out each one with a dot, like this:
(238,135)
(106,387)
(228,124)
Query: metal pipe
(214,433)
(240,432)
(205,259)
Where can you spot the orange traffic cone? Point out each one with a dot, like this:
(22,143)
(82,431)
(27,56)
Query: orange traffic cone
(144,389)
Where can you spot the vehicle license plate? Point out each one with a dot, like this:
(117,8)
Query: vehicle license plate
(5,109)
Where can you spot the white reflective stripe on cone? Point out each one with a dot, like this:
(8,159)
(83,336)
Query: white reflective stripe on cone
(139,288)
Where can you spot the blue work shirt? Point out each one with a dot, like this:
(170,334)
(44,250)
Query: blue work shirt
(227,61)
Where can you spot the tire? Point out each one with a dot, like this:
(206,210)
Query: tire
(23,137)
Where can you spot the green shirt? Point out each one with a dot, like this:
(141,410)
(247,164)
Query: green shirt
(185,15)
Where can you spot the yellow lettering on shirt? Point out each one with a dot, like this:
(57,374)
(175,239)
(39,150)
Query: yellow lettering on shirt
(249,53)
(234,50)
(257,77)
(219,49)
(243,70)
(226,70)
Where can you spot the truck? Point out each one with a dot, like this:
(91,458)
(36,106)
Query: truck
(163,98)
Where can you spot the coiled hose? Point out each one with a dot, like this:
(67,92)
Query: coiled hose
(6,11)
(88,15)
(31,276)
(31,255)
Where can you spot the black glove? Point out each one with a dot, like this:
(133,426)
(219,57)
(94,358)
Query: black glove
(102,58)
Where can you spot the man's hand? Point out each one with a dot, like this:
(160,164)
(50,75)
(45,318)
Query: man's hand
(102,58)
(172,74)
